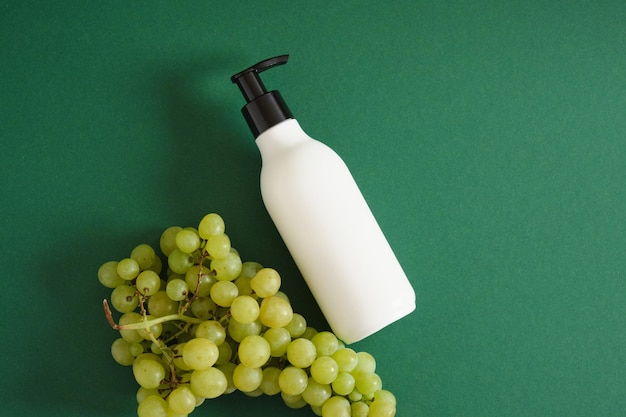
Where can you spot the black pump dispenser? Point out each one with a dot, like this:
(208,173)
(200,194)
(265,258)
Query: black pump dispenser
(263,109)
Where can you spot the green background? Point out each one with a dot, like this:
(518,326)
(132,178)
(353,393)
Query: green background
(489,138)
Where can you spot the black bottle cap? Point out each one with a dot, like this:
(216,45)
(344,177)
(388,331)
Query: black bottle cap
(263,109)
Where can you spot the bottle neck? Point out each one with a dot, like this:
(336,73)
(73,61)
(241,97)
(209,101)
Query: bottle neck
(280,138)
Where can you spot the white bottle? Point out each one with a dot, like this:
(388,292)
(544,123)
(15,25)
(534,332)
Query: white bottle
(323,218)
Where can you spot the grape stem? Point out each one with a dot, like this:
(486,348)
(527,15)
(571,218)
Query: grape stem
(202,256)
(145,324)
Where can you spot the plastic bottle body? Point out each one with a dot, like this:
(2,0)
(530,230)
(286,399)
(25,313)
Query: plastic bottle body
(331,233)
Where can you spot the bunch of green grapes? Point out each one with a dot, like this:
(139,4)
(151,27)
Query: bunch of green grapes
(204,324)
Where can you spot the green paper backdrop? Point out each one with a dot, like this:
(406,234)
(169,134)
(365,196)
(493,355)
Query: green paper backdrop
(489,138)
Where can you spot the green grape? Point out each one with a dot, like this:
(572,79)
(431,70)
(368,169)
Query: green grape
(282,295)
(182,400)
(160,305)
(156,266)
(275,312)
(178,360)
(381,409)
(177,289)
(297,326)
(210,225)
(131,336)
(128,269)
(344,384)
(108,276)
(148,372)
(336,406)
(179,261)
(346,358)
(278,339)
(208,383)
(144,255)
(243,284)
(148,282)
(254,351)
(384,395)
(359,409)
(293,381)
(355,395)
(187,241)
(120,350)
(324,369)
(135,349)
(269,385)
(156,348)
(203,307)
(254,393)
(225,354)
(200,353)
(266,282)
(212,330)
(326,343)
(317,410)
(238,331)
(247,379)
(155,330)
(143,393)
(227,268)
(218,246)
(309,332)
(224,293)
(301,353)
(199,282)
(368,383)
(366,363)
(244,309)
(228,370)
(167,242)
(152,406)
(293,401)
(316,394)
(249,269)
(124,298)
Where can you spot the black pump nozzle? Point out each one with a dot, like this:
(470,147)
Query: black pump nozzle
(263,109)
(249,81)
